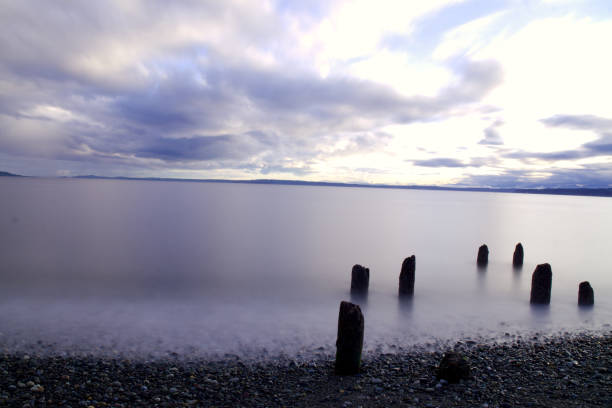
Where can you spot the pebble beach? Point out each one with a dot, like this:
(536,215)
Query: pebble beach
(569,370)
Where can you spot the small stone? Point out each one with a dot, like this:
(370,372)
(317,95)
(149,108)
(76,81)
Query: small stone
(453,367)
(37,388)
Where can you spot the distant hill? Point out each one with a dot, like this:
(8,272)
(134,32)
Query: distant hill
(585,191)
(7,174)
(595,192)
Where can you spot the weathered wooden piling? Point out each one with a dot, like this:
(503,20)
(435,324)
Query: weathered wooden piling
(350,339)
(406,278)
(517,257)
(360,280)
(541,283)
(483,256)
(586,296)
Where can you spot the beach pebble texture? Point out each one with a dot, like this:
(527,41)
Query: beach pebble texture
(568,371)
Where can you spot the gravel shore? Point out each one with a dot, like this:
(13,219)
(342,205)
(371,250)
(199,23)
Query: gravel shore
(562,371)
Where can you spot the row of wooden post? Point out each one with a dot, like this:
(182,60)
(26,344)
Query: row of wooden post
(349,343)
(482,259)
(541,280)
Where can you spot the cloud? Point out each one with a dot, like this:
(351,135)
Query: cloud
(602,146)
(587,122)
(492,136)
(207,112)
(441,162)
(590,176)
(200,148)
(243,89)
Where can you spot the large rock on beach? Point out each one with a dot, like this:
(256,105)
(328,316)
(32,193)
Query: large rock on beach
(483,256)
(453,367)
(586,297)
(360,279)
(517,257)
(406,278)
(541,283)
(350,339)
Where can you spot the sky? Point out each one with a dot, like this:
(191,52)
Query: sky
(486,93)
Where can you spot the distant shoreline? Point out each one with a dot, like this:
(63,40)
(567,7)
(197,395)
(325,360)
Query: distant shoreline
(587,192)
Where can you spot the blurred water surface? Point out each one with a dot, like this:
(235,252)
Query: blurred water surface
(204,269)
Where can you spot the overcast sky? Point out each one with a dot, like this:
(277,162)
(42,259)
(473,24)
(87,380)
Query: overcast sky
(466,92)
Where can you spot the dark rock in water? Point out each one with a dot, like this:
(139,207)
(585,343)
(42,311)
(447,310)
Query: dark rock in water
(483,255)
(586,296)
(541,282)
(360,279)
(453,367)
(350,339)
(517,258)
(406,278)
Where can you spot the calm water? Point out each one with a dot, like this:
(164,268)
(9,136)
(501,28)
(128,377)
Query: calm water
(201,269)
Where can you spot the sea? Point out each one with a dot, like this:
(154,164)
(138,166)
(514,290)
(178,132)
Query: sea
(153,269)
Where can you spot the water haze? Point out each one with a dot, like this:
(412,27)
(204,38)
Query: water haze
(204,269)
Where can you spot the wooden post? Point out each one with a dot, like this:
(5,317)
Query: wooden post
(350,339)
(406,278)
(517,257)
(586,296)
(483,256)
(360,280)
(541,283)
